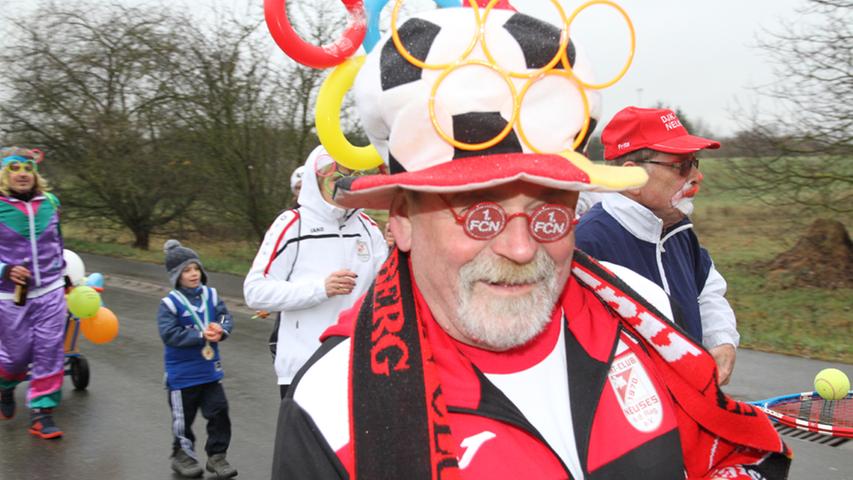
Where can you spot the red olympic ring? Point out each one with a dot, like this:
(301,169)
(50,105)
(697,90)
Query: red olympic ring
(275,14)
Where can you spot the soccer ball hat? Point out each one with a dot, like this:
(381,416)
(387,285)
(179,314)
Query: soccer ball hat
(425,116)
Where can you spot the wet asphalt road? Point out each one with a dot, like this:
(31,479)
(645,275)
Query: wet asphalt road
(119,428)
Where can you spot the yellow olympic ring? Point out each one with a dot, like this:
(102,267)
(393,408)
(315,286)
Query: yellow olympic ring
(328,119)
(564,42)
(473,146)
(586,113)
(565,60)
(395,37)
(335,137)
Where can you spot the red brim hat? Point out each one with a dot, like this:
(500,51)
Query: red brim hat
(570,172)
(684,144)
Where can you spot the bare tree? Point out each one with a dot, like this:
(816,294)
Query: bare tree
(149,116)
(234,105)
(91,84)
(801,156)
(251,112)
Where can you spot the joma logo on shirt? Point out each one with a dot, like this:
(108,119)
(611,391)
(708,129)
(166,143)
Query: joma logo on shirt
(471,445)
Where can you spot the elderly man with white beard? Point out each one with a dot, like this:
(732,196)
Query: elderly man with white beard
(487,346)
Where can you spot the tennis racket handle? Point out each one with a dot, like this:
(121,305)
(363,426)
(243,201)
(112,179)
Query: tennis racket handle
(20,296)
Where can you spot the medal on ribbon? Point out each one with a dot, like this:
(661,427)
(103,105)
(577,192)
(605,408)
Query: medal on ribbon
(207,351)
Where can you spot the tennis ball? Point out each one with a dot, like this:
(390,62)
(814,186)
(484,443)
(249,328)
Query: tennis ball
(831,384)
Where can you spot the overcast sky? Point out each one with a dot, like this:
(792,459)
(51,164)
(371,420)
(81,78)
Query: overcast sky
(696,54)
(699,55)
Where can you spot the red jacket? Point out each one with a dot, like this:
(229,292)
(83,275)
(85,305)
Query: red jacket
(625,423)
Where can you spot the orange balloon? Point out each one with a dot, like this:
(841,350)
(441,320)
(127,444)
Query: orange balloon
(101,328)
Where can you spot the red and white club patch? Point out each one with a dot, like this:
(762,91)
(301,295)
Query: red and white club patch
(635,392)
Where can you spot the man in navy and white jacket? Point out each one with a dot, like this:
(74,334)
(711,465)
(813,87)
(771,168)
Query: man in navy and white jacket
(648,229)
(314,262)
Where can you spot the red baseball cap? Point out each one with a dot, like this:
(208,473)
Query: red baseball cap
(659,129)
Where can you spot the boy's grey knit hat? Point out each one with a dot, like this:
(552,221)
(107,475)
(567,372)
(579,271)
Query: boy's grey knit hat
(177,258)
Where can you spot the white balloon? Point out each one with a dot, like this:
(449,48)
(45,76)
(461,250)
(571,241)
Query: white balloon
(74,267)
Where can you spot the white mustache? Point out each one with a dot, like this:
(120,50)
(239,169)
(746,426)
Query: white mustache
(484,268)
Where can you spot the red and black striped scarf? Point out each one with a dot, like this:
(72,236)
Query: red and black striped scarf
(399,420)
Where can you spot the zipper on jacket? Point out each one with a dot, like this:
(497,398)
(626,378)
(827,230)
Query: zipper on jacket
(31,216)
(660,250)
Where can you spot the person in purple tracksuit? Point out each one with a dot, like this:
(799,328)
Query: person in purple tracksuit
(32,295)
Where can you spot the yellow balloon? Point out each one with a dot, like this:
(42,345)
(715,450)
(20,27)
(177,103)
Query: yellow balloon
(327,117)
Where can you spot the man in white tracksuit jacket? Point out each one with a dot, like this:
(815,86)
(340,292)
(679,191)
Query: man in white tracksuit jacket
(315,261)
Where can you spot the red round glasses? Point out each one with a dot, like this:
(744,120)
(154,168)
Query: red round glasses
(486,220)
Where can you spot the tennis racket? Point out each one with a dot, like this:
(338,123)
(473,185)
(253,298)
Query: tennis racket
(809,411)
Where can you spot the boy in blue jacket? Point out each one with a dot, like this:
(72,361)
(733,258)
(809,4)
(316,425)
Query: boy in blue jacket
(193,320)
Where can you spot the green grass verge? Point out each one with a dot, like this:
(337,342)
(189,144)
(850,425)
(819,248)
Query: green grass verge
(218,256)
(743,236)
(799,321)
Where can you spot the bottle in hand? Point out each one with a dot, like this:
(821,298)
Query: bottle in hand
(20,294)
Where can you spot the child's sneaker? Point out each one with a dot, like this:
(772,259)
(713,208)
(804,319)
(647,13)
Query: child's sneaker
(7,402)
(217,465)
(42,424)
(185,465)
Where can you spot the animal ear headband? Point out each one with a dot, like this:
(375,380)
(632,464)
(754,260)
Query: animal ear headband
(20,154)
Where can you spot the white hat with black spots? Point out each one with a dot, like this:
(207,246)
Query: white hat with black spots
(473,104)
